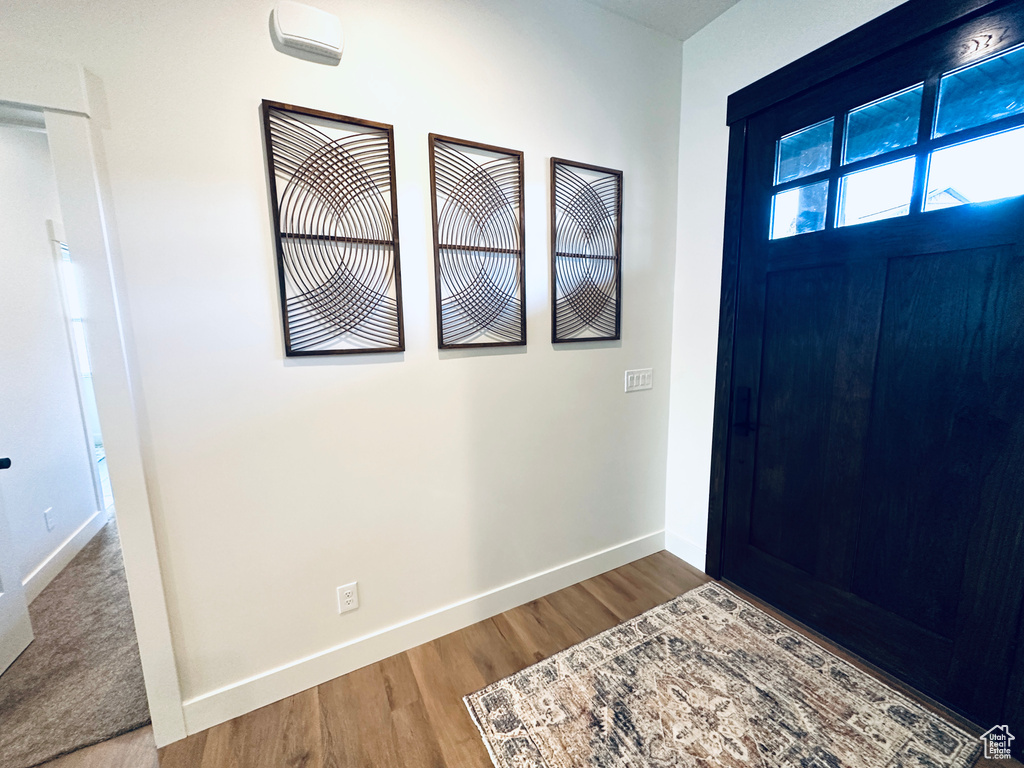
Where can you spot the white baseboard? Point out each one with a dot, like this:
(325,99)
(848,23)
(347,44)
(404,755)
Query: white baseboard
(45,572)
(225,703)
(693,553)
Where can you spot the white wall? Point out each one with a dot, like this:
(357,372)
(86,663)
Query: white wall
(41,426)
(762,36)
(431,478)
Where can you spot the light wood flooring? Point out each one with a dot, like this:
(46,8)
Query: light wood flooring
(407,710)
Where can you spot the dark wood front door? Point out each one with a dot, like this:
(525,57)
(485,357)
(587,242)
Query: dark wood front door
(874,462)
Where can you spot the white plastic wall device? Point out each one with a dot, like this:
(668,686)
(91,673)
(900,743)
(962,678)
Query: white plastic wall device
(305,28)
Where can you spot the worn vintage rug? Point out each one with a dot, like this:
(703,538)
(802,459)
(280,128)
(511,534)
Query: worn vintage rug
(707,680)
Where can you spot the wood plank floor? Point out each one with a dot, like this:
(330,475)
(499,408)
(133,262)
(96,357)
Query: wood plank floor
(407,711)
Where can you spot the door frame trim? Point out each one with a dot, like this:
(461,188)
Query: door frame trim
(73,125)
(726,339)
(891,30)
(903,24)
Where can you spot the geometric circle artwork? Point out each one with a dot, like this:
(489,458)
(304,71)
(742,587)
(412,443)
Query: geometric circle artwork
(336,228)
(476,195)
(586,246)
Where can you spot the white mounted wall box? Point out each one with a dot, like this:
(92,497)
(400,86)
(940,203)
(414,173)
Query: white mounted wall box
(305,28)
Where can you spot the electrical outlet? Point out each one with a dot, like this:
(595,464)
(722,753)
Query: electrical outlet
(348,597)
(639,378)
(48,516)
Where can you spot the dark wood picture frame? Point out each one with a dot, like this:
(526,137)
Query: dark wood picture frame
(478,198)
(589,218)
(339,278)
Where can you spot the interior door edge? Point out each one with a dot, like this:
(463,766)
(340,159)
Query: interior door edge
(714,563)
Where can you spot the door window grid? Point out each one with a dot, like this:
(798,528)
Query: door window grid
(981,93)
(926,194)
(804,152)
(883,125)
(877,193)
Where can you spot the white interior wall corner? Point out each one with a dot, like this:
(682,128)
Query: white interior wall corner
(762,35)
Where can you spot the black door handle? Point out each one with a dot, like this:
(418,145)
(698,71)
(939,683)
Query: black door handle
(742,421)
(5,463)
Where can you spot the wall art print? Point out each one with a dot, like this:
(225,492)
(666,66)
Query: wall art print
(480,274)
(586,252)
(332,186)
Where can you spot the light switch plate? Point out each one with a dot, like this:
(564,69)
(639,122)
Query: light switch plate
(639,378)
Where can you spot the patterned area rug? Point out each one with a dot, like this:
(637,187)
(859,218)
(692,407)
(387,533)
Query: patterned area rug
(707,680)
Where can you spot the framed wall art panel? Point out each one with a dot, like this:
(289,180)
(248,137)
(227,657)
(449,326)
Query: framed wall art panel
(480,272)
(335,208)
(586,252)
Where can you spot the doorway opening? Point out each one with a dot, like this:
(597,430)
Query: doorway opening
(79,681)
(75,316)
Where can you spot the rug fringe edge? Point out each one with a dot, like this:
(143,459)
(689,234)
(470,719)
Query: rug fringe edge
(480,728)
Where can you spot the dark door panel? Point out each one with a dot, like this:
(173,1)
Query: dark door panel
(802,328)
(1013,710)
(893,643)
(967,227)
(947,396)
(874,463)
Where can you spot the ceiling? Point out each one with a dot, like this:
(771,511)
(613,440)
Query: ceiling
(677,18)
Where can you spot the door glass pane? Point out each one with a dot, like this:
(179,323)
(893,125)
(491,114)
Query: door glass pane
(986,169)
(877,193)
(799,210)
(883,125)
(981,93)
(805,152)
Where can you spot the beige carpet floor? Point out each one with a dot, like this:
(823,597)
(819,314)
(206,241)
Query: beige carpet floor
(708,680)
(80,681)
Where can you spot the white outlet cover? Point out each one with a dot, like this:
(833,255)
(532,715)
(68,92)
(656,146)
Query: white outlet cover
(348,597)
